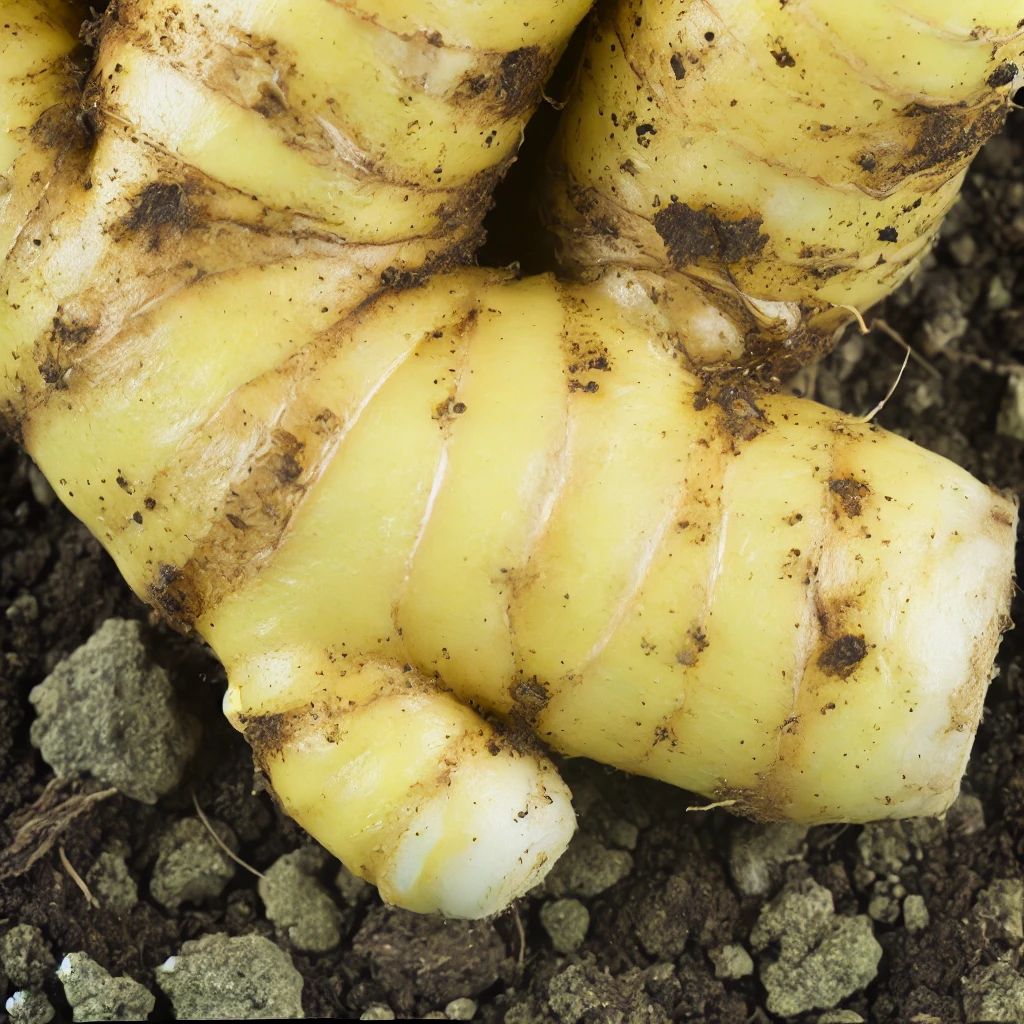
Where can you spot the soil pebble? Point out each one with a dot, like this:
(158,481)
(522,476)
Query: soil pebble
(1011,413)
(821,958)
(424,962)
(106,710)
(354,890)
(190,866)
(994,995)
(915,913)
(462,1008)
(588,868)
(378,1011)
(841,1017)
(111,882)
(218,977)
(1000,910)
(732,962)
(298,904)
(28,1007)
(26,957)
(93,994)
(757,854)
(566,922)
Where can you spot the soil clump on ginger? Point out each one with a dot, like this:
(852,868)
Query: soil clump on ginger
(658,914)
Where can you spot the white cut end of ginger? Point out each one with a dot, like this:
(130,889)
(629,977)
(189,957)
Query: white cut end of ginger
(486,838)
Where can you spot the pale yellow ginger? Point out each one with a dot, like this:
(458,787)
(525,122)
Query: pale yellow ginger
(765,164)
(433,521)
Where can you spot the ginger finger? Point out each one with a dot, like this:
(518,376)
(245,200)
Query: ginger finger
(753,167)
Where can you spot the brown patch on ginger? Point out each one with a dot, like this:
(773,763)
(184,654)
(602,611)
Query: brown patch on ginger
(842,656)
(693,235)
(849,494)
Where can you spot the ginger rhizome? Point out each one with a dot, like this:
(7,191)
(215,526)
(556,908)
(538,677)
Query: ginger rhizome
(432,517)
(765,165)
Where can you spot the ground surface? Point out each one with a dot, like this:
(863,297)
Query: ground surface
(655,880)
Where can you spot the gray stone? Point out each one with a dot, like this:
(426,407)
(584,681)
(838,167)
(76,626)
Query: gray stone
(298,904)
(757,854)
(93,994)
(731,962)
(963,249)
(190,866)
(999,297)
(218,978)
(915,914)
(354,890)
(1000,909)
(571,994)
(821,959)
(883,907)
(377,1011)
(993,995)
(841,1017)
(566,922)
(462,1008)
(28,1007)
(110,881)
(107,711)
(883,847)
(1010,421)
(967,815)
(587,868)
(26,957)
(623,834)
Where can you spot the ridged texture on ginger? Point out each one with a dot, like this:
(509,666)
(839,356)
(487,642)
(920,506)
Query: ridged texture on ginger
(782,158)
(354,146)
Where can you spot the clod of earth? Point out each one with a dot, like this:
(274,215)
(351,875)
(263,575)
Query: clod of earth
(432,517)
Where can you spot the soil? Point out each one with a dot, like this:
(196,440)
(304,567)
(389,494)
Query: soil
(646,953)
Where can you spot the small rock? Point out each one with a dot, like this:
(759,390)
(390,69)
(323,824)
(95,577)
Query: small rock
(1010,422)
(993,995)
(623,834)
(566,922)
(461,1009)
(434,1015)
(882,907)
(243,978)
(298,904)
(377,1011)
(572,994)
(822,958)
(999,297)
(915,914)
(587,868)
(841,1017)
(354,890)
(731,962)
(1000,909)
(107,711)
(963,249)
(23,610)
(883,847)
(42,492)
(26,956)
(190,866)
(967,815)
(110,881)
(94,995)
(27,1007)
(758,852)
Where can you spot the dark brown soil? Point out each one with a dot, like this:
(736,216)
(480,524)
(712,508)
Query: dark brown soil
(679,900)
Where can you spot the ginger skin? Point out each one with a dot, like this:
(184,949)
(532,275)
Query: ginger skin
(432,517)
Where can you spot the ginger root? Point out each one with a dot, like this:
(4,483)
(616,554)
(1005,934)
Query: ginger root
(432,517)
